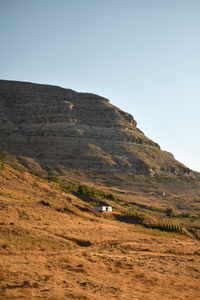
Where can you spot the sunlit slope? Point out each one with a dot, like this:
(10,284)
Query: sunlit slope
(63,129)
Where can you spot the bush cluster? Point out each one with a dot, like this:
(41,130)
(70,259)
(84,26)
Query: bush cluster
(87,192)
(45,203)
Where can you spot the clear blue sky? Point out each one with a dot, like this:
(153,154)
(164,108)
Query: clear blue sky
(144,55)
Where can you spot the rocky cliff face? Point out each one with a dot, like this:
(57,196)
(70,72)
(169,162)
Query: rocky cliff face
(59,127)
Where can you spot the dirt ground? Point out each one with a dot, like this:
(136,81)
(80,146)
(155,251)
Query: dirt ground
(48,253)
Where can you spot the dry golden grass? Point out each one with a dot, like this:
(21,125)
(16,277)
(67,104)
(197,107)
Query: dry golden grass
(51,254)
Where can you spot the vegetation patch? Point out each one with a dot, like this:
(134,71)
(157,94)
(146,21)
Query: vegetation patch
(92,194)
(153,223)
(66,210)
(45,203)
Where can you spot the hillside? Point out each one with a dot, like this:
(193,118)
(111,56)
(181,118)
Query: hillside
(61,154)
(54,246)
(52,131)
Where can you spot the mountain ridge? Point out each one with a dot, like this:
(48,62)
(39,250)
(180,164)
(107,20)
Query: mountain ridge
(60,127)
(61,154)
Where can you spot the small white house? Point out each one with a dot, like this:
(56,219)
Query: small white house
(103,208)
(162,194)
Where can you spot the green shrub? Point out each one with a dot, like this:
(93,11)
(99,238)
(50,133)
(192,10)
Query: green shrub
(111,197)
(65,210)
(184,215)
(91,193)
(2,166)
(169,212)
(45,203)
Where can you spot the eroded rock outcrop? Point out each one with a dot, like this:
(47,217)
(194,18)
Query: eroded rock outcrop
(59,127)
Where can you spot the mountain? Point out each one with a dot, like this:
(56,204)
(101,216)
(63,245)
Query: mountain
(62,129)
(61,154)
(54,246)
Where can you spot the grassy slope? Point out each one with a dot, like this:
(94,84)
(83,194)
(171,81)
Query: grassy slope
(51,253)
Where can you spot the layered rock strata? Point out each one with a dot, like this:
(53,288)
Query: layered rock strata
(59,127)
